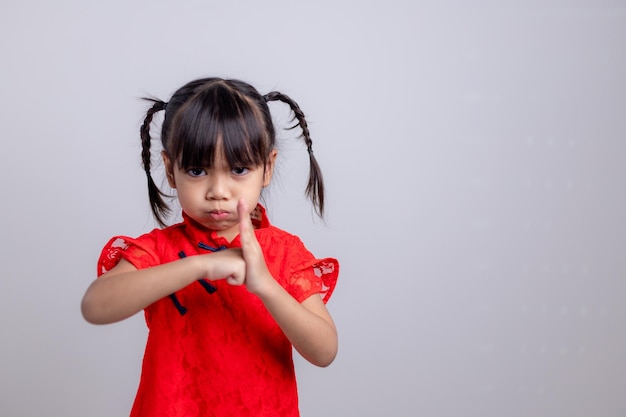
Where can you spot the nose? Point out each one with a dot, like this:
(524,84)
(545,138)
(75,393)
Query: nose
(217,187)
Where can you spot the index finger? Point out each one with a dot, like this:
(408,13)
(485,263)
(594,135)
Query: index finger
(245,222)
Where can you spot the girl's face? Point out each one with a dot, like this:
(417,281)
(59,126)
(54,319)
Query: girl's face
(210,196)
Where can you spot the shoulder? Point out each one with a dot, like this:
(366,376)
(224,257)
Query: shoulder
(274,236)
(275,231)
(283,248)
(304,274)
(142,251)
(151,240)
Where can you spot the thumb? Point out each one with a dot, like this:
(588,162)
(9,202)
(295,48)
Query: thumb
(250,248)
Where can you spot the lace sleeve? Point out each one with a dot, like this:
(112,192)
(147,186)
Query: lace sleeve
(122,247)
(314,276)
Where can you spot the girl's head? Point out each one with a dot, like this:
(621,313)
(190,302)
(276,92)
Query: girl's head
(213,123)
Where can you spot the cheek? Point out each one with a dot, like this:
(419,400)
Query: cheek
(185,193)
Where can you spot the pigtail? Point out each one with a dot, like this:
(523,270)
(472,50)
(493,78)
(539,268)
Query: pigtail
(159,207)
(315,186)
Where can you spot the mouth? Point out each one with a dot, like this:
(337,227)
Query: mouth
(219,214)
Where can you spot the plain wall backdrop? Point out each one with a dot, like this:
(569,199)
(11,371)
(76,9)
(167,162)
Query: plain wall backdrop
(474,158)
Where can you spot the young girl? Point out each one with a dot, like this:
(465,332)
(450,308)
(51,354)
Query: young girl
(225,294)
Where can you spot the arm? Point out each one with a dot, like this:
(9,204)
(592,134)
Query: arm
(308,325)
(125,290)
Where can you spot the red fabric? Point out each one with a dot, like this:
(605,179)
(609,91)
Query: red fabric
(226,356)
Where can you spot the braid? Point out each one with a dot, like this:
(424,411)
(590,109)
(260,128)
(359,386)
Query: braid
(315,185)
(158,205)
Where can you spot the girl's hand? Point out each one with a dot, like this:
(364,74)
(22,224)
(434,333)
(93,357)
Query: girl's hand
(245,265)
(257,276)
(227,264)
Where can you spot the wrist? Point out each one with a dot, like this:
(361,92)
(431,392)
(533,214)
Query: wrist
(196,266)
(267,289)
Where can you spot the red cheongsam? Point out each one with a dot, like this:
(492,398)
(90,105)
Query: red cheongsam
(213,349)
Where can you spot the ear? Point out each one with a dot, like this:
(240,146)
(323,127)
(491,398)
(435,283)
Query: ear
(169,169)
(269,167)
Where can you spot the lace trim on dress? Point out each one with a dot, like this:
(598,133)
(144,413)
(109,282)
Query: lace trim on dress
(315,276)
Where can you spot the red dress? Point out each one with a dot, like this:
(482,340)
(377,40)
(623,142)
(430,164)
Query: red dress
(213,349)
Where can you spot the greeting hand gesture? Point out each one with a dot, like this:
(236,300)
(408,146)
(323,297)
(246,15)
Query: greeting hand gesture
(257,274)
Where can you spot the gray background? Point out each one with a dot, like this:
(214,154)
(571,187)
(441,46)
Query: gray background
(474,159)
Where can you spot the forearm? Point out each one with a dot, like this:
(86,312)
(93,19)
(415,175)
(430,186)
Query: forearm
(308,326)
(125,291)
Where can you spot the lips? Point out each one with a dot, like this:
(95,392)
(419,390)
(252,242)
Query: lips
(218,214)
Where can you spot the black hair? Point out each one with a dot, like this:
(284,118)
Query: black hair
(210,111)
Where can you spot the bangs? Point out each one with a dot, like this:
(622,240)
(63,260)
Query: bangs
(218,119)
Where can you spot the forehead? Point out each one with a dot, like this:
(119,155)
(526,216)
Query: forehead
(220,159)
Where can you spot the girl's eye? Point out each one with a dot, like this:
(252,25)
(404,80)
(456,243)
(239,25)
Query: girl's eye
(239,170)
(196,172)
